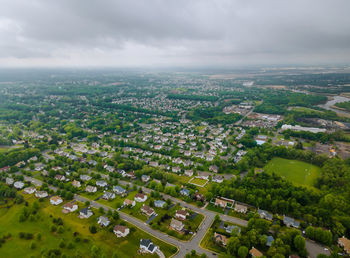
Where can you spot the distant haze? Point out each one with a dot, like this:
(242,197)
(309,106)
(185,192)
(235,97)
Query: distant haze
(179,33)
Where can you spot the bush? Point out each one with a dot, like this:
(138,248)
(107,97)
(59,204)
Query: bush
(32,245)
(53,228)
(60,229)
(62,244)
(93,229)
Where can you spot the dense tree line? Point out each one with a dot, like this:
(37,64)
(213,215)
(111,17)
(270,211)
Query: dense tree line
(17,155)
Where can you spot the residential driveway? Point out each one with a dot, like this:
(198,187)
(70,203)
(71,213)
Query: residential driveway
(314,249)
(151,218)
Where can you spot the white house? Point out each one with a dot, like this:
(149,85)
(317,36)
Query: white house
(29,190)
(70,206)
(128,202)
(101,183)
(108,196)
(103,221)
(56,200)
(121,231)
(181,214)
(86,213)
(147,246)
(18,185)
(140,197)
(91,189)
(41,194)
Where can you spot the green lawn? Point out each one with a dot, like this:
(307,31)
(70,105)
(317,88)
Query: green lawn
(198,181)
(298,172)
(105,240)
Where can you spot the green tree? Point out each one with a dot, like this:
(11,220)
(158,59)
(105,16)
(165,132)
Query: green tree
(299,243)
(242,251)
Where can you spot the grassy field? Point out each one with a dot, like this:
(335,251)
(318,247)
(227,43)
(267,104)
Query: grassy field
(298,172)
(79,243)
(198,181)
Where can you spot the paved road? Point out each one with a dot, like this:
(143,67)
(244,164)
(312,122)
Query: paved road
(209,214)
(314,249)
(184,247)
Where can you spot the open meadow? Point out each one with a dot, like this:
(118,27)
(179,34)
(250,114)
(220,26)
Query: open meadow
(297,172)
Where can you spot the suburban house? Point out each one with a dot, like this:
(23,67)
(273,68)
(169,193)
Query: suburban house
(145,178)
(159,203)
(56,200)
(76,183)
(224,202)
(199,197)
(290,222)
(189,172)
(41,194)
(140,197)
(241,208)
(181,214)
(86,213)
(101,183)
(128,202)
(269,240)
(118,189)
(220,239)
(185,192)
(255,252)
(18,185)
(29,190)
(217,179)
(9,181)
(103,221)
(60,177)
(70,207)
(345,244)
(5,169)
(231,228)
(214,168)
(147,246)
(108,196)
(147,210)
(91,189)
(265,214)
(121,231)
(85,177)
(176,225)
(176,169)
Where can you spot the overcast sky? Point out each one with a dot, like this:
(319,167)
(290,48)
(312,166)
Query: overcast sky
(170,33)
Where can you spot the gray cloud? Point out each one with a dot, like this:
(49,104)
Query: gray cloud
(173,33)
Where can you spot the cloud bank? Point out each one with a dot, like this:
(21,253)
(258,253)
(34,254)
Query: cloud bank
(155,33)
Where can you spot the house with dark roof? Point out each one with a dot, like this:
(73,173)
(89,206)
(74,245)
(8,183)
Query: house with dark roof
(159,203)
(147,246)
(86,213)
(185,192)
(118,189)
(290,222)
(265,214)
(147,210)
(269,240)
